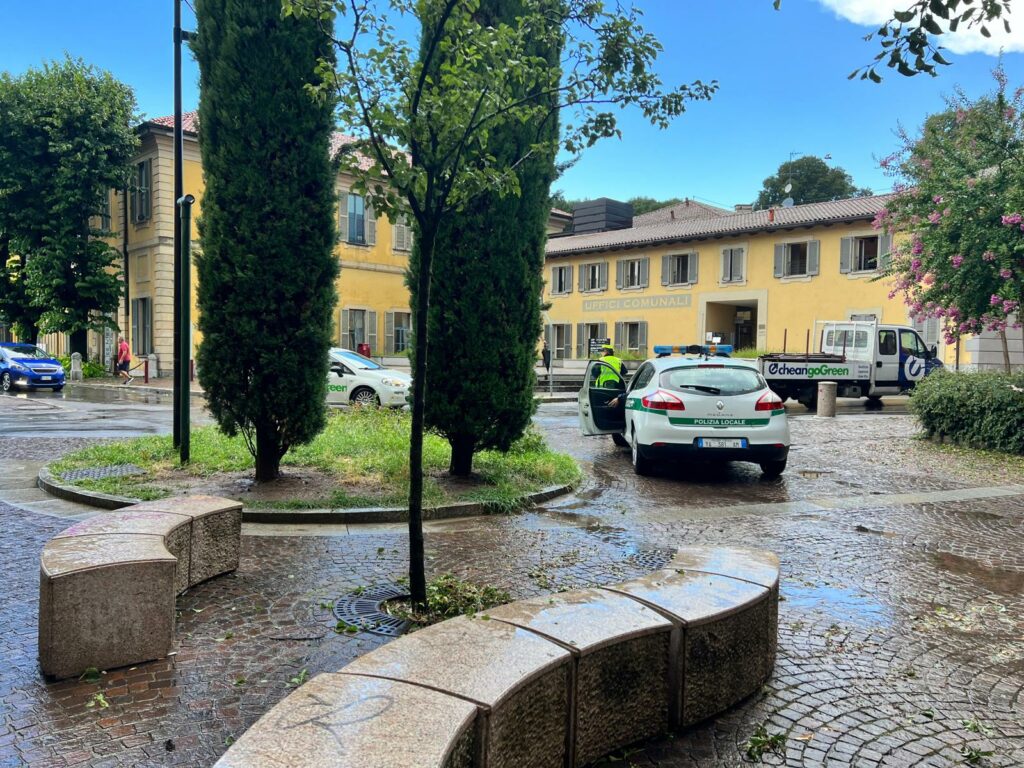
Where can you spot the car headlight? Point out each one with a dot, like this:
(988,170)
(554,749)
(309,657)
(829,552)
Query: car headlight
(399,383)
(18,366)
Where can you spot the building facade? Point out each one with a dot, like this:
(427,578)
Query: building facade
(755,279)
(373,301)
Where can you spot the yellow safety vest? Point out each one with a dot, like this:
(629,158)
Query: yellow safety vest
(606,378)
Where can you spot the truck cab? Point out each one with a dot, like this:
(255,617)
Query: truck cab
(865,359)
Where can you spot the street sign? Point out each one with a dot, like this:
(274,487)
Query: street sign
(597,344)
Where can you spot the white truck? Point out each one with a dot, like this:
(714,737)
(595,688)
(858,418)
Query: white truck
(865,359)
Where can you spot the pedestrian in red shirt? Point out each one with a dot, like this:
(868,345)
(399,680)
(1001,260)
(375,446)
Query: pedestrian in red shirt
(124,360)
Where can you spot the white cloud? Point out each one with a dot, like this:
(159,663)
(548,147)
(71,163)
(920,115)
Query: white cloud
(874,13)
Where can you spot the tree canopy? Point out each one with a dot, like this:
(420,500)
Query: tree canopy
(811,180)
(68,139)
(426,120)
(267,268)
(959,205)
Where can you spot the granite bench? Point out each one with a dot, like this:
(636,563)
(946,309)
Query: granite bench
(557,681)
(107,585)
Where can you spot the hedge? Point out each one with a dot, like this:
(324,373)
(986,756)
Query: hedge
(981,410)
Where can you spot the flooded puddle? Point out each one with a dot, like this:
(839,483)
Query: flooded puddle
(999,580)
(849,605)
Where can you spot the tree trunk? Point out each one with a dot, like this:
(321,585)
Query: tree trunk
(268,454)
(463,447)
(417,567)
(1006,350)
(80,343)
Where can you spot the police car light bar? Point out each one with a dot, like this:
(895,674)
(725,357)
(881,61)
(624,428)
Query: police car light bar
(692,349)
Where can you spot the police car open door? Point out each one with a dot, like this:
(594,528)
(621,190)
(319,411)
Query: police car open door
(602,402)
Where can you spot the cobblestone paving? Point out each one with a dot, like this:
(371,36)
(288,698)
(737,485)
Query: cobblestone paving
(901,631)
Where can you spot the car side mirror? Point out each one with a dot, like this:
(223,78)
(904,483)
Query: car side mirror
(933,352)
(337,369)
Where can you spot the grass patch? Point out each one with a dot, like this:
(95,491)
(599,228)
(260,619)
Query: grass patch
(363,453)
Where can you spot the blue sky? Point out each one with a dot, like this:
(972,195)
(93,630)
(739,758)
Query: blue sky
(782,77)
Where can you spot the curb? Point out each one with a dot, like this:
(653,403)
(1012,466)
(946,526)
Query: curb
(47,482)
(52,486)
(134,388)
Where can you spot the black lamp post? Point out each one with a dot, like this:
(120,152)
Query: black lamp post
(182,338)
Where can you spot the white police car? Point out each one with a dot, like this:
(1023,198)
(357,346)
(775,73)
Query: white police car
(357,380)
(699,408)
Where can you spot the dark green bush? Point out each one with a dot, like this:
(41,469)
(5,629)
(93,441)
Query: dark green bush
(982,410)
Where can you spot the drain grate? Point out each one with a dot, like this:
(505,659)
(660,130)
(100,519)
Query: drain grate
(101,473)
(652,559)
(363,610)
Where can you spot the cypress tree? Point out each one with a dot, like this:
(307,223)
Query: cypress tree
(485,297)
(266,267)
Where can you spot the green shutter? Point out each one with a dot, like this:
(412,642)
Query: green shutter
(389,333)
(666,267)
(645,272)
(345,328)
(813,250)
(780,260)
(343,217)
(692,262)
(580,341)
(620,267)
(884,248)
(371,224)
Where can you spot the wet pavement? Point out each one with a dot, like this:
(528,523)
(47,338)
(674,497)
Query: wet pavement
(901,637)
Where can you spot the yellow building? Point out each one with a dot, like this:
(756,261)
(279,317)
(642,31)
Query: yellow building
(373,306)
(757,279)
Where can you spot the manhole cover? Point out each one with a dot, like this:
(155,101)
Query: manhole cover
(652,559)
(363,610)
(101,473)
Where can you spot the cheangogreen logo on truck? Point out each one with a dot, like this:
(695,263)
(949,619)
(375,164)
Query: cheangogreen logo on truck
(807,371)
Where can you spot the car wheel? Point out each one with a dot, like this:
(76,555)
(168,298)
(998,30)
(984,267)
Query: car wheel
(641,464)
(6,382)
(619,439)
(365,396)
(773,468)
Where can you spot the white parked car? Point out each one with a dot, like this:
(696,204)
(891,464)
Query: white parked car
(358,380)
(696,408)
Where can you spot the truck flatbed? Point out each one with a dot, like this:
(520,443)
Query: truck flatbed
(802,357)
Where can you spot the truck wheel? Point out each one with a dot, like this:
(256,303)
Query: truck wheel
(620,440)
(809,400)
(641,464)
(773,468)
(874,401)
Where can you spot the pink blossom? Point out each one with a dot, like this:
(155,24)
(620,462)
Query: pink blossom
(937,199)
(915,264)
(988,256)
(928,279)
(1010,113)
(918,248)
(956,261)
(1005,273)
(1009,306)
(1012,219)
(934,217)
(995,300)
(947,211)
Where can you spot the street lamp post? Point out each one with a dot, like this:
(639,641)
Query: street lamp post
(182,417)
(181,359)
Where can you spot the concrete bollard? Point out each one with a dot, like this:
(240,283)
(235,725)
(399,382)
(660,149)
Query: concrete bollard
(827,398)
(76,367)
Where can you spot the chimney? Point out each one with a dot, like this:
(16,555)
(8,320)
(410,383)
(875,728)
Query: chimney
(601,215)
(672,214)
(771,215)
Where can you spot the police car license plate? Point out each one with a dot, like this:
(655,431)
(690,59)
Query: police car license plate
(721,442)
(46,378)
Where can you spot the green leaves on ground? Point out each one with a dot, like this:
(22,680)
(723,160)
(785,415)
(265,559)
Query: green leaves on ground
(762,741)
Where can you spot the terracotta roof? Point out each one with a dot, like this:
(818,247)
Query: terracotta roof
(190,125)
(688,209)
(189,122)
(739,223)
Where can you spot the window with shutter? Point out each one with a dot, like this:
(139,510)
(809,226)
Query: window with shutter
(631,273)
(799,259)
(141,192)
(679,268)
(732,265)
(356,229)
(371,332)
(371,225)
(863,253)
(403,331)
(561,280)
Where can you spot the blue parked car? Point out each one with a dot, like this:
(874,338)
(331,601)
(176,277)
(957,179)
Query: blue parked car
(28,367)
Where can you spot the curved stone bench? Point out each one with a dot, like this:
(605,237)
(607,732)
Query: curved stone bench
(107,585)
(555,681)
